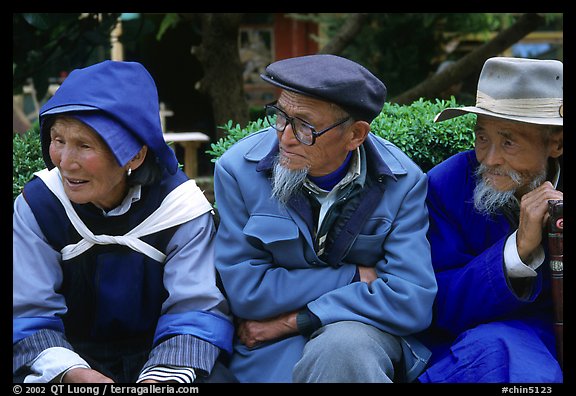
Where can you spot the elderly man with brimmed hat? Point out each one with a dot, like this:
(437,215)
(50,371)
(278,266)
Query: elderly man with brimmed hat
(322,246)
(493,316)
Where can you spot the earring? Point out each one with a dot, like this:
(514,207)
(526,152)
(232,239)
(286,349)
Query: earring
(129,172)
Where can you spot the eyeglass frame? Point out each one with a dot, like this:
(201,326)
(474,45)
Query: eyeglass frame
(291,122)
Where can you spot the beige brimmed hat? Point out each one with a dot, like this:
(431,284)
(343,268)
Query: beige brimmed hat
(525,90)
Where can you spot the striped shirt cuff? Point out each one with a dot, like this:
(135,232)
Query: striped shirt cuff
(182,375)
(184,350)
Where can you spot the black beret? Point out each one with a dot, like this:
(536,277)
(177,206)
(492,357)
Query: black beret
(333,79)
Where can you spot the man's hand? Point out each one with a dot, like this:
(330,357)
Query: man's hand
(254,332)
(85,375)
(533,218)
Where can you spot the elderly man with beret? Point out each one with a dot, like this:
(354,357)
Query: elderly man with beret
(322,245)
(493,317)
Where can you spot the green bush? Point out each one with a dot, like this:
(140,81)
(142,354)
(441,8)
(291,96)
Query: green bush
(410,127)
(413,130)
(26,158)
(233,134)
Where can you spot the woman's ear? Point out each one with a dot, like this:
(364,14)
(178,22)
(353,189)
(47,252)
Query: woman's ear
(360,131)
(138,159)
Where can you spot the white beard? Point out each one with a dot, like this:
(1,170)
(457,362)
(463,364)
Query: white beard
(488,200)
(286,182)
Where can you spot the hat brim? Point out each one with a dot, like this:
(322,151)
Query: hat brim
(68,108)
(452,112)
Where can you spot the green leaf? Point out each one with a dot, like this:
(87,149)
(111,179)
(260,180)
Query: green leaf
(170,20)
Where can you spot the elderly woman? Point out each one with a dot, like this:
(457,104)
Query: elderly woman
(114,275)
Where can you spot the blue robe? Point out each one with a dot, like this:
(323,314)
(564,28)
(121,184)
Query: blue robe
(482,330)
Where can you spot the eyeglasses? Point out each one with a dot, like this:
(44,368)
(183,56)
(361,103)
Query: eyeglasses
(304,132)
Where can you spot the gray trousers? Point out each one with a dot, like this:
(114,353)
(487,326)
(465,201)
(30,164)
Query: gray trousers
(351,352)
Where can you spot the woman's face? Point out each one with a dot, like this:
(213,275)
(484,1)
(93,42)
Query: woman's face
(90,172)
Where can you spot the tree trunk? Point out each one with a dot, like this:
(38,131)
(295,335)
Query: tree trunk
(220,58)
(473,61)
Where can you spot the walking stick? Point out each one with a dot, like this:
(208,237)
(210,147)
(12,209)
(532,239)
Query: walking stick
(556,250)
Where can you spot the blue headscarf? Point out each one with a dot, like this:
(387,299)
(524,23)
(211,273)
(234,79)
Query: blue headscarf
(119,100)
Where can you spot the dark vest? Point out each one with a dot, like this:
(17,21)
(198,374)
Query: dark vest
(112,292)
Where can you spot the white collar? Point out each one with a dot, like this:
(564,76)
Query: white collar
(182,204)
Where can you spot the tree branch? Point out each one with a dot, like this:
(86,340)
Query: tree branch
(349,30)
(472,61)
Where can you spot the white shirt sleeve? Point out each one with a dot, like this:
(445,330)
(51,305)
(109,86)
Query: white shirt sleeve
(52,363)
(515,267)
